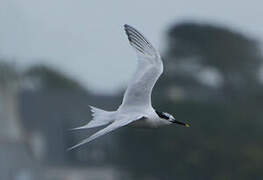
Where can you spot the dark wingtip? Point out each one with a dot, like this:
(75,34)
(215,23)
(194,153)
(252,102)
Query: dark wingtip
(126,27)
(138,41)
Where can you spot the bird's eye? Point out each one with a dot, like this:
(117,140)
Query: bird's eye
(166,116)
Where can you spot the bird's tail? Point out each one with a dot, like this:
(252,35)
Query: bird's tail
(100,118)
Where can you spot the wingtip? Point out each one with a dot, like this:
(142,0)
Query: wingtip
(71,148)
(126,28)
(126,25)
(139,41)
(75,146)
(76,128)
(71,129)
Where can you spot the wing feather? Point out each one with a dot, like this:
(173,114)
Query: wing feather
(149,69)
(113,126)
(139,42)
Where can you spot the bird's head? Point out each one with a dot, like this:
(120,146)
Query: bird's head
(170,118)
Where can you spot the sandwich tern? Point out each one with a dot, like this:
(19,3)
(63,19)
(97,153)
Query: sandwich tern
(136,108)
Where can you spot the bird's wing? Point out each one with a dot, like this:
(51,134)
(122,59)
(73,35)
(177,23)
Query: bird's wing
(149,69)
(115,125)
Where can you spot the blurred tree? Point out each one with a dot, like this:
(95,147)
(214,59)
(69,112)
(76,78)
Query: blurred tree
(49,78)
(56,103)
(214,56)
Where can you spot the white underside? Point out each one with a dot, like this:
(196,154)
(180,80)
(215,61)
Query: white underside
(149,118)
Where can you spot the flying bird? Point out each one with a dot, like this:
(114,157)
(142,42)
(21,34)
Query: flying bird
(136,108)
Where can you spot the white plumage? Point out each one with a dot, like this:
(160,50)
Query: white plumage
(136,108)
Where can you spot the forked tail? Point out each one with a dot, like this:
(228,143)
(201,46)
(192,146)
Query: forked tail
(100,118)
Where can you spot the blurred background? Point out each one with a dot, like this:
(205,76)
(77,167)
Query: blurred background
(59,57)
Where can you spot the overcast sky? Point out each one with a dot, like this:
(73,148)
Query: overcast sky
(85,38)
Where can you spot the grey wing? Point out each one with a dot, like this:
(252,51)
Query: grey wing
(149,69)
(113,126)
